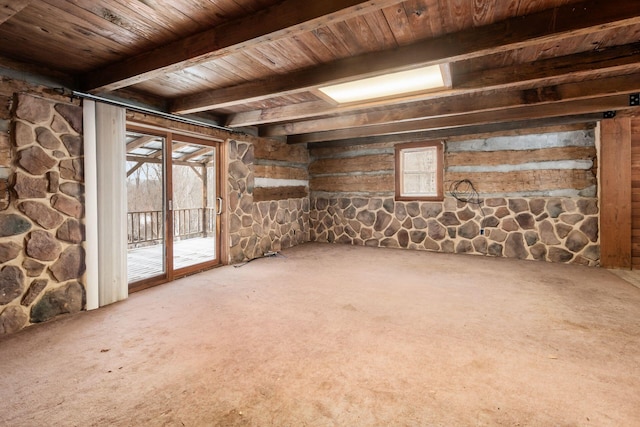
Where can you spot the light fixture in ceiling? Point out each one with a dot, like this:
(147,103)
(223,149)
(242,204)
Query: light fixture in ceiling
(387,85)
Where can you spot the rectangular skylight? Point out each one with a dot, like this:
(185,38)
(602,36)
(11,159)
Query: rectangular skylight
(387,85)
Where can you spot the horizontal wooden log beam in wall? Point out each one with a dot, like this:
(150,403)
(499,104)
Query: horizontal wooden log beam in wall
(262,194)
(380,183)
(280,172)
(549,161)
(514,157)
(527,112)
(320,151)
(279,151)
(462,131)
(373,163)
(552,24)
(525,181)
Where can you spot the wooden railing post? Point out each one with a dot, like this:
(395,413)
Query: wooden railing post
(146,226)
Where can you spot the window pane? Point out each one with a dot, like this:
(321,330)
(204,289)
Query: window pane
(422,160)
(419,171)
(420,184)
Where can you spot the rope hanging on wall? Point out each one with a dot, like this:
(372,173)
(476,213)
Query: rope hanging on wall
(464,191)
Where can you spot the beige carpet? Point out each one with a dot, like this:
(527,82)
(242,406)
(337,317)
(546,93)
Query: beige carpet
(337,335)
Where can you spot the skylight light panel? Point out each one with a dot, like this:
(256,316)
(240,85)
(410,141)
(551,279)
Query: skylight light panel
(387,85)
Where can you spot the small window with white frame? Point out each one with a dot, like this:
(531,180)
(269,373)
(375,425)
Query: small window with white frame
(419,171)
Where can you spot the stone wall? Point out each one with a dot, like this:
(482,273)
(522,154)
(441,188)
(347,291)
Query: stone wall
(257,227)
(549,229)
(538,193)
(41,223)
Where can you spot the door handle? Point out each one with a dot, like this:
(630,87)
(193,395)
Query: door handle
(219,203)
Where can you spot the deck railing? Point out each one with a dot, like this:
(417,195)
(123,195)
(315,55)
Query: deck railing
(147,227)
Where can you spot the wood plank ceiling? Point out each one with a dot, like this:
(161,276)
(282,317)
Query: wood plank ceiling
(257,64)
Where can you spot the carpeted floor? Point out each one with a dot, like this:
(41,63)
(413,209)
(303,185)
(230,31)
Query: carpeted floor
(334,335)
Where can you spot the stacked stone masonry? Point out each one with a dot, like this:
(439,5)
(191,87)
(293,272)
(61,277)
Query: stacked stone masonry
(41,225)
(550,229)
(256,228)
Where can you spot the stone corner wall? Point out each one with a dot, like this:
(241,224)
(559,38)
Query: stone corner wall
(547,229)
(256,228)
(41,219)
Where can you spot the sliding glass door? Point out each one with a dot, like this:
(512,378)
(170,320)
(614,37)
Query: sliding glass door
(173,206)
(194,204)
(146,212)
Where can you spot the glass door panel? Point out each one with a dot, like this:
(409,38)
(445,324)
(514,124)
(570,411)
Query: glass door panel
(146,240)
(193,204)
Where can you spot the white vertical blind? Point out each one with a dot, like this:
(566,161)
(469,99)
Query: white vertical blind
(91,204)
(105,161)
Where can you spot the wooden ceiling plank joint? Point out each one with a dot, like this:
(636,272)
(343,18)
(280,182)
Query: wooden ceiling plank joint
(9,8)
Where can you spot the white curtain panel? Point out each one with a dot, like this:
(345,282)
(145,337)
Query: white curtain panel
(106,203)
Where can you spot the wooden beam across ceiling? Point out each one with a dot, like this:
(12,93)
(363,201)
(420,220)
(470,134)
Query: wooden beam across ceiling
(285,19)
(546,26)
(621,59)
(466,104)
(544,123)
(578,65)
(520,113)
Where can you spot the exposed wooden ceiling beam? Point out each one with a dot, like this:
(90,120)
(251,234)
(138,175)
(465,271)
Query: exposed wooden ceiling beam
(621,59)
(463,130)
(9,8)
(285,19)
(526,112)
(549,25)
(579,65)
(289,112)
(465,104)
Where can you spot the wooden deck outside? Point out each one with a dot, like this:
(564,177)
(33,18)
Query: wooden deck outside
(143,263)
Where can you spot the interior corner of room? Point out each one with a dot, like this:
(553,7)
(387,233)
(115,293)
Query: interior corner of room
(165,166)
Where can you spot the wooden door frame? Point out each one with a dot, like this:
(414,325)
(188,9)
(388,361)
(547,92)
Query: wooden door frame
(163,278)
(185,271)
(221,190)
